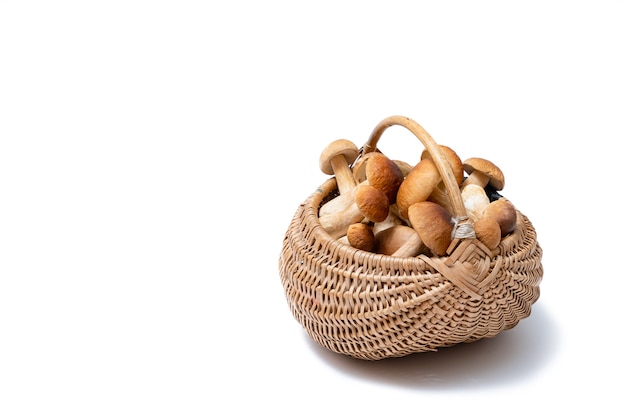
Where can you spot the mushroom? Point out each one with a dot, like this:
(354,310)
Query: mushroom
(384,174)
(475,200)
(453,159)
(483,172)
(417,185)
(433,224)
(361,236)
(390,240)
(369,203)
(411,247)
(439,194)
(373,168)
(503,211)
(336,159)
(372,203)
(488,231)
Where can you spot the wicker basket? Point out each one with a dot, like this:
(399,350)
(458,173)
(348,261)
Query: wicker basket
(372,306)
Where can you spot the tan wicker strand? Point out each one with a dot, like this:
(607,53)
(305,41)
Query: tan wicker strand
(371,306)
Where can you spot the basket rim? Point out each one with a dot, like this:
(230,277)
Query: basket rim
(314,201)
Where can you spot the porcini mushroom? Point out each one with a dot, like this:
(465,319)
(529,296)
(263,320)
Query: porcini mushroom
(439,194)
(369,203)
(372,203)
(433,224)
(373,168)
(417,185)
(336,159)
(488,231)
(503,211)
(384,174)
(483,172)
(361,236)
(452,158)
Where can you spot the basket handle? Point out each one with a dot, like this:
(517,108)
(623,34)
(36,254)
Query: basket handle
(456,201)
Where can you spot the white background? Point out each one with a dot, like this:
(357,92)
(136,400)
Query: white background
(152,154)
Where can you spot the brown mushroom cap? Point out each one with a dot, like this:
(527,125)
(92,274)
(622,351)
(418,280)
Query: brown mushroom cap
(417,185)
(385,180)
(338,148)
(483,172)
(453,159)
(440,194)
(336,159)
(384,174)
(488,232)
(361,236)
(503,211)
(372,202)
(369,202)
(433,224)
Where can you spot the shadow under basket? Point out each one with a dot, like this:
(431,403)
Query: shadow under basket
(373,306)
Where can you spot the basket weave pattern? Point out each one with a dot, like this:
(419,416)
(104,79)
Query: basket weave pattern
(372,306)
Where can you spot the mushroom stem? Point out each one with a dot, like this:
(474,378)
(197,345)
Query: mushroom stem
(339,203)
(337,224)
(369,202)
(440,197)
(482,172)
(336,159)
(391,220)
(343,174)
(477,178)
(373,168)
(475,200)
(391,239)
(411,247)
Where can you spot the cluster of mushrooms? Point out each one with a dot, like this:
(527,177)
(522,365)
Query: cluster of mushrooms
(390,207)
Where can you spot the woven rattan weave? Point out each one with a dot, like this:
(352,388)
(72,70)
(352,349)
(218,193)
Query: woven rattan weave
(372,306)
